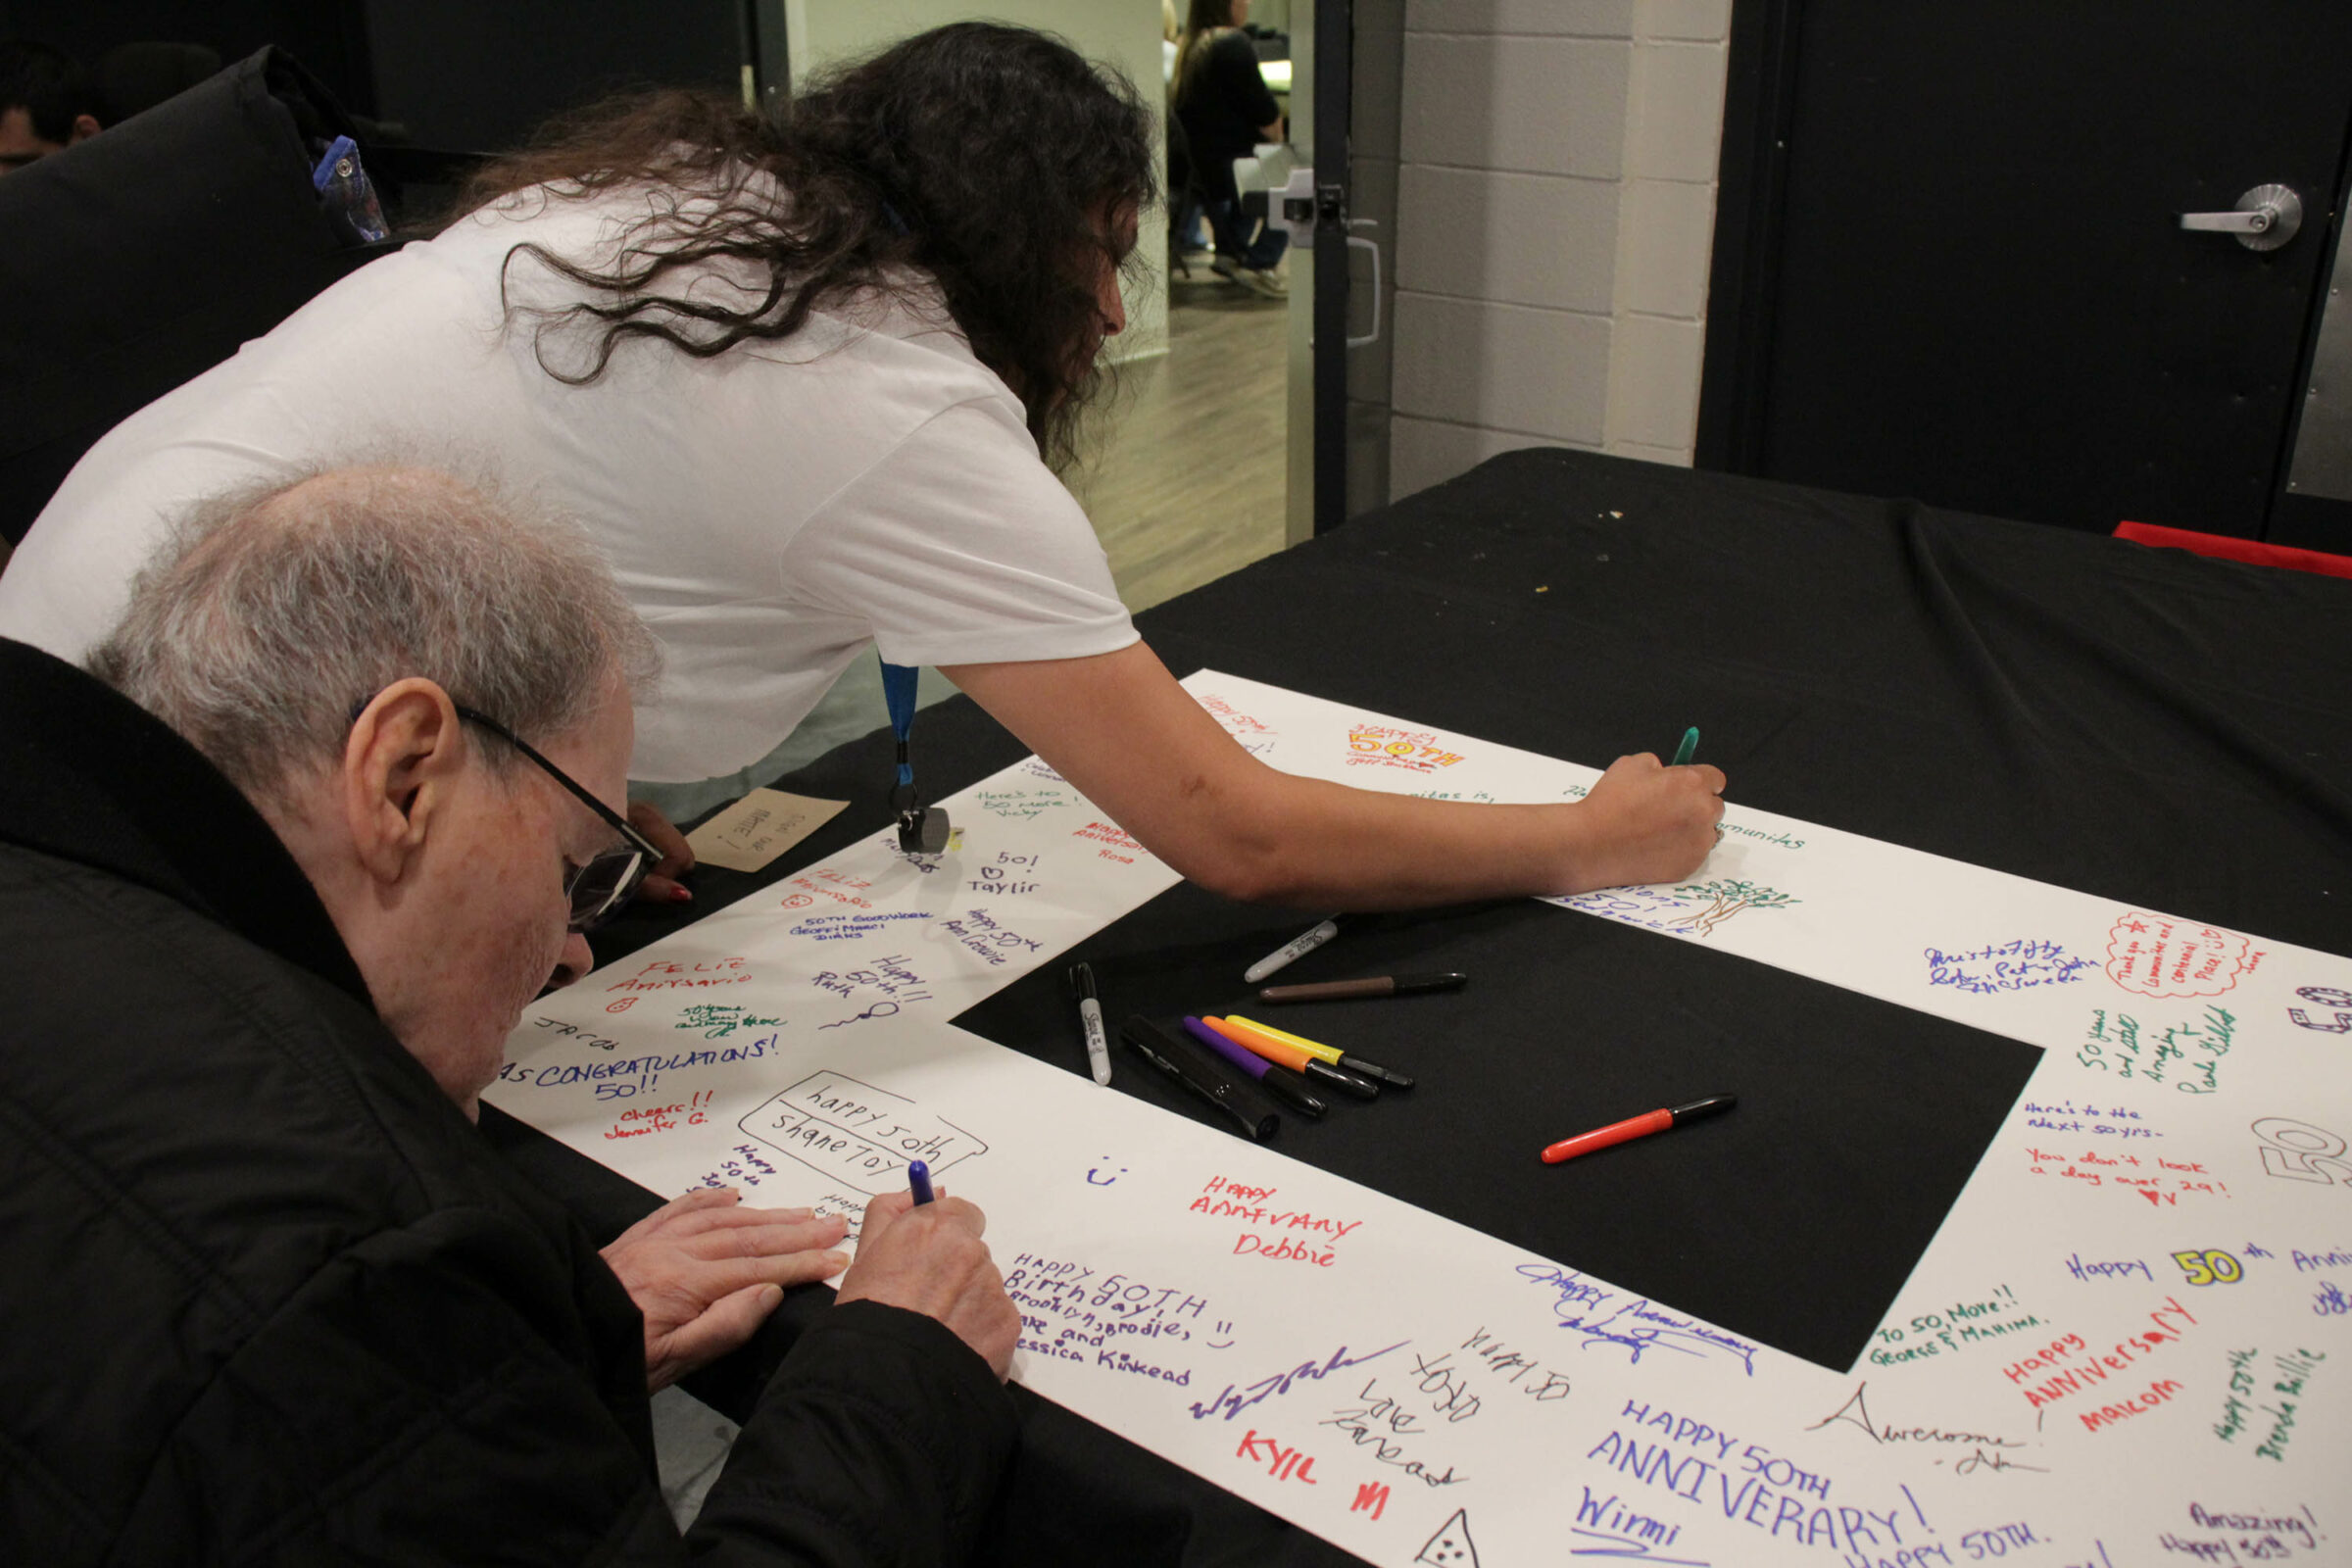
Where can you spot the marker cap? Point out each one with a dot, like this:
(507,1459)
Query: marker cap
(1375,1071)
(1340,1078)
(1203,1080)
(1291,1090)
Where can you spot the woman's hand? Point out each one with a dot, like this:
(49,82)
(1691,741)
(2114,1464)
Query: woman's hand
(661,884)
(1647,822)
(706,1271)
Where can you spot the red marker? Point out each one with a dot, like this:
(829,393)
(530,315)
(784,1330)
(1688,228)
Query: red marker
(1657,1121)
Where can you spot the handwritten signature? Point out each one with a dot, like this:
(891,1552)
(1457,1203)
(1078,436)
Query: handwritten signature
(1626,1547)
(1635,1325)
(1364,1423)
(1993,1461)
(880,1009)
(1233,1402)
(1855,1413)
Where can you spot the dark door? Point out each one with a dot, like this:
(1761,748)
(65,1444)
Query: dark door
(1334,83)
(1950,263)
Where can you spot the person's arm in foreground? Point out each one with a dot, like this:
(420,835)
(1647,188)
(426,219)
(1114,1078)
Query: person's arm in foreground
(882,1435)
(1133,741)
(705,1270)
(449,1411)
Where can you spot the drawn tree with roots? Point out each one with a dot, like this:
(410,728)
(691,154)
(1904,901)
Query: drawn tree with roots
(1723,897)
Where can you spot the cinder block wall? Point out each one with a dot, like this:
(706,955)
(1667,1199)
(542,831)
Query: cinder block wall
(1554,214)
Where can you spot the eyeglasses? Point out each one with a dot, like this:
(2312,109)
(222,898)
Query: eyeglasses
(599,889)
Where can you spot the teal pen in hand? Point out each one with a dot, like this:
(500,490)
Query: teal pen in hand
(1689,748)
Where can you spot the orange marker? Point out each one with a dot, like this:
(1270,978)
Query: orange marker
(1657,1121)
(1300,1060)
(1282,1053)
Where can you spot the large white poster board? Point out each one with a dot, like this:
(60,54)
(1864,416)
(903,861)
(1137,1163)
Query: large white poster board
(2127,1345)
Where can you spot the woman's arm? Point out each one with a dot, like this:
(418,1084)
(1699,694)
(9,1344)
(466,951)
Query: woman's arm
(1134,742)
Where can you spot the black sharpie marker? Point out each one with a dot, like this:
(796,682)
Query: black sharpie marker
(1280,1082)
(1182,1063)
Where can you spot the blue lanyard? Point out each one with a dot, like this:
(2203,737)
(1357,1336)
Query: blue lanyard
(898,691)
(922,829)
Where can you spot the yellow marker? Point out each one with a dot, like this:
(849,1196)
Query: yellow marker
(1331,1054)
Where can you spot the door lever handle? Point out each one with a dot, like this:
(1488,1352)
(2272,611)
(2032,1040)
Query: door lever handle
(2267,218)
(2257,222)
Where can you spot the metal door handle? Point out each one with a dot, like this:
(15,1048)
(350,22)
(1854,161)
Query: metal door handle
(2257,222)
(1373,336)
(2266,218)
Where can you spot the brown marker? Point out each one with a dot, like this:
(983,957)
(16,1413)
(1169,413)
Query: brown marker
(1385,984)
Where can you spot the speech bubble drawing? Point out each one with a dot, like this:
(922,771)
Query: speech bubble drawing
(2157,955)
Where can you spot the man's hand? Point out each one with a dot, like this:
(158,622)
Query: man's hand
(931,1260)
(661,884)
(705,1272)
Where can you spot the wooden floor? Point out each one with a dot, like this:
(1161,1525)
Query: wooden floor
(1187,481)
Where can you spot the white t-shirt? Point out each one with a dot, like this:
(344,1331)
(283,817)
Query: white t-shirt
(769,512)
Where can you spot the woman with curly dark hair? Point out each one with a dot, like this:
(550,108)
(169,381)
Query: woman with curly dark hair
(806,380)
(985,169)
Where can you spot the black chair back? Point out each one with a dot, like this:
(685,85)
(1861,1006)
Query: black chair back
(147,253)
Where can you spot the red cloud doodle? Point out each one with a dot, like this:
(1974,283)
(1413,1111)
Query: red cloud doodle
(2158,955)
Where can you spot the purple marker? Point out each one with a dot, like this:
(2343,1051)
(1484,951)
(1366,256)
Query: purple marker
(1280,1082)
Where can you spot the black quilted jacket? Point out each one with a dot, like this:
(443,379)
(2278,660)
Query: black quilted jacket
(265,1297)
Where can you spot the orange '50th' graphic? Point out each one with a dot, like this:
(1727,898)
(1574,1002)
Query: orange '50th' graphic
(1415,749)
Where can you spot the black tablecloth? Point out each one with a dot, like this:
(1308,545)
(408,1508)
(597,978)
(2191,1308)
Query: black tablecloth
(2171,732)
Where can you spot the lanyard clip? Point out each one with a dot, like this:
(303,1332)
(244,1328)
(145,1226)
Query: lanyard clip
(922,829)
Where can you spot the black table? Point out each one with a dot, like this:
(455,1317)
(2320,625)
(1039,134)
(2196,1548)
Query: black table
(2168,731)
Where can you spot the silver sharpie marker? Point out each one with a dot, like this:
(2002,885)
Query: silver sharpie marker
(1298,948)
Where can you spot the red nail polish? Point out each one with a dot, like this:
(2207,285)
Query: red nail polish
(682,894)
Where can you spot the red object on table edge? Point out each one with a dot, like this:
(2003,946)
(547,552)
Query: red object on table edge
(2250,551)
(1615,1133)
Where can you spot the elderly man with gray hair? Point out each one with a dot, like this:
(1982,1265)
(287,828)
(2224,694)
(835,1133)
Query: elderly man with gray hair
(275,885)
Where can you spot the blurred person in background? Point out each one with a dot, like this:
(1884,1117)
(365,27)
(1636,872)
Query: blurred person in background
(1227,110)
(47,102)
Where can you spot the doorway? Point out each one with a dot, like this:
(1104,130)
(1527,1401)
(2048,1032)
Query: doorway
(1185,470)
